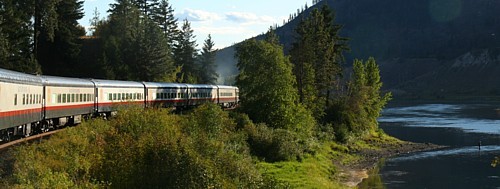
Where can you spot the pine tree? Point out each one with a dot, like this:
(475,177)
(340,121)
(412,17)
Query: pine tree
(185,54)
(317,56)
(163,15)
(153,60)
(16,27)
(58,54)
(208,73)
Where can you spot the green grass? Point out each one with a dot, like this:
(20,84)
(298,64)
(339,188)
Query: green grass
(314,171)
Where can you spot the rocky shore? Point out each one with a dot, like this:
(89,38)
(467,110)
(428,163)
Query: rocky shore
(355,173)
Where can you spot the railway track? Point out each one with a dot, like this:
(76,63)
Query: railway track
(28,139)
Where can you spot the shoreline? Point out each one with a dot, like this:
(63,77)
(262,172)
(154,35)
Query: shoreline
(354,174)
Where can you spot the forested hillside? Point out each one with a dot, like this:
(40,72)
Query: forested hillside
(430,41)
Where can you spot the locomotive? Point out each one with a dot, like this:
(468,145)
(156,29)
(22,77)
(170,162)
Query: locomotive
(31,104)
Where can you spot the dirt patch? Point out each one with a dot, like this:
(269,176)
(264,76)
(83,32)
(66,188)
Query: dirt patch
(352,175)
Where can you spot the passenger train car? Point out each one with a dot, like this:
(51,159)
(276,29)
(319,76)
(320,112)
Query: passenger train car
(32,104)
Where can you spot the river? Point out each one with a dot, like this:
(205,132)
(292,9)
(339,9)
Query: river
(461,165)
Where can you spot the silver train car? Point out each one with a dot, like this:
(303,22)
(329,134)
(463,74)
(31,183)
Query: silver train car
(32,104)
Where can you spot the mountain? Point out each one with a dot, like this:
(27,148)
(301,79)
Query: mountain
(425,48)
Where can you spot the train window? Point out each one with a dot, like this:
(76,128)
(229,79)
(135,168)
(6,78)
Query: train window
(36,99)
(110,96)
(81,98)
(123,96)
(63,98)
(157,95)
(15,99)
(119,96)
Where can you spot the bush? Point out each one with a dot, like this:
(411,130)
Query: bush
(275,144)
(142,149)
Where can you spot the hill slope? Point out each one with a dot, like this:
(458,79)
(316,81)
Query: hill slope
(416,42)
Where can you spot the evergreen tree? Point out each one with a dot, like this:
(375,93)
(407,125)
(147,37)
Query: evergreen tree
(267,90)
(16,31)
(153,62)
(164,16)
(58,54)
(208,73)
(317,55)
(185,54)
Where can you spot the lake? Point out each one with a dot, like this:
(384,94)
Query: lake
(461,165)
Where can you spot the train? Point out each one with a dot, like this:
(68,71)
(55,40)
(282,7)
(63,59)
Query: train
(31,104)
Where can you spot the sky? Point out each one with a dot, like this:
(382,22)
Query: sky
(228,21)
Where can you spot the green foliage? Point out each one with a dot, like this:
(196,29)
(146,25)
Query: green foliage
(208,74)
(16,36)
(185,54)
(358,110)
(267,90)
(133,45)
(59,44)
(143,148)
(317,56)
(274,145)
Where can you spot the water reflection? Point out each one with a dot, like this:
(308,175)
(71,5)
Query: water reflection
(462,165)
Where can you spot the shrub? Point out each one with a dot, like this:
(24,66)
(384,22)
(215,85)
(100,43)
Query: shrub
(275,144)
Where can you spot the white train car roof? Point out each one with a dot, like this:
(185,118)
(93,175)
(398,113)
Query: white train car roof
(202,86)
(164,85)
(226,87)
(116,84)
(18,77)
(66,81)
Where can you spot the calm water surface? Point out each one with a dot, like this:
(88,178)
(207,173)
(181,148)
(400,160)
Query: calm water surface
(461,165)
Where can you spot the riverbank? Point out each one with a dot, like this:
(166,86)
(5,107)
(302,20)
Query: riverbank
(355,173)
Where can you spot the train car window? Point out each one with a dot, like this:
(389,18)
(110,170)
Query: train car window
(24,98)
(81,98)
(15,99)
(36,99)
(110,96)
(123,96)
(119,96)
(63,98)
(157,95)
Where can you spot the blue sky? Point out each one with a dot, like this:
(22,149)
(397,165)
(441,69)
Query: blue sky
(229,21)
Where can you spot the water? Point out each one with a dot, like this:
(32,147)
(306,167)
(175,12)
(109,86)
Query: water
(461,165)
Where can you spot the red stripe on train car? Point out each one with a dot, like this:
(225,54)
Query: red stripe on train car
(65,107)
(20,112)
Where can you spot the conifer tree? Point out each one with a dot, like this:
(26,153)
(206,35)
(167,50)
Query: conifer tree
(163,15)
(317,56)
(58,54)
(16,32)
(185,54)
(208,73)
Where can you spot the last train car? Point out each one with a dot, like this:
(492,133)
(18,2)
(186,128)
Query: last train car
(21,103)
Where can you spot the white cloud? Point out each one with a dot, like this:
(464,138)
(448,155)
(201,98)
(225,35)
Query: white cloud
(198,15)
(249,18)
